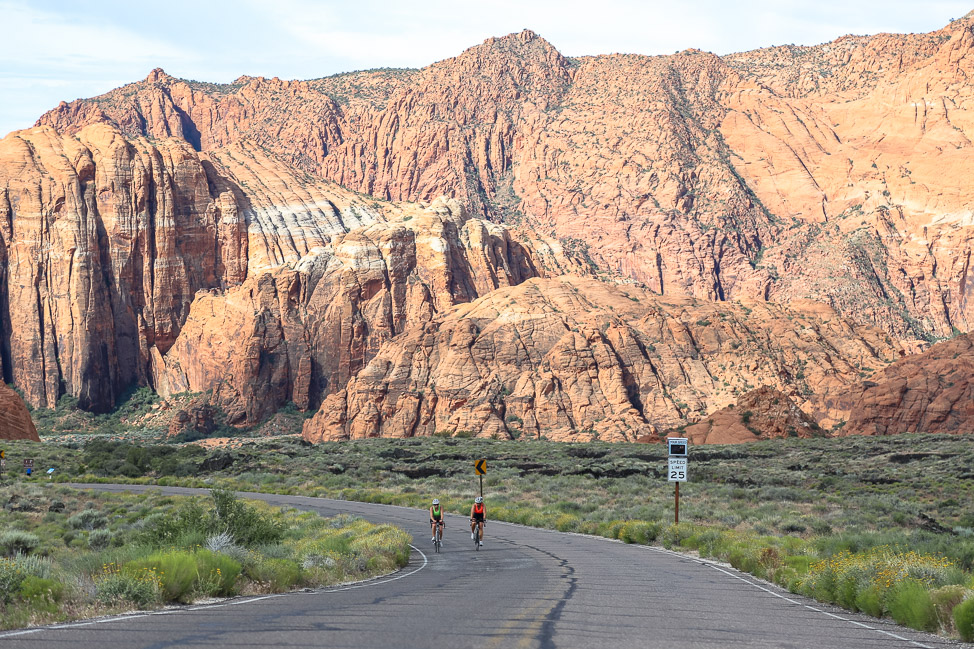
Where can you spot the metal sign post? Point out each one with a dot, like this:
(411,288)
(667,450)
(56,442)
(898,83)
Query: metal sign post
(480,467)
(677,470)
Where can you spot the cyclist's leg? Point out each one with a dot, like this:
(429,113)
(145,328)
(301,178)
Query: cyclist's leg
(442,527)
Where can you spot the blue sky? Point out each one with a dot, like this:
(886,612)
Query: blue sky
(54,50)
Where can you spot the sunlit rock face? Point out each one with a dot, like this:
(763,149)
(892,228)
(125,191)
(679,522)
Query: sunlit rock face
(576,359)
(15,421)
(271,241)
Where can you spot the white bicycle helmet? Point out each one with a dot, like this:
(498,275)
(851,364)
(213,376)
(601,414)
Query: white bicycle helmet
(479,500)
(436,501)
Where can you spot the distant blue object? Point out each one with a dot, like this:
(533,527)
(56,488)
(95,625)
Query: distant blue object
(50,471)
(28,471)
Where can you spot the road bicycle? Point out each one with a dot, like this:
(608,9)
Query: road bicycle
(478,534)
(438,538)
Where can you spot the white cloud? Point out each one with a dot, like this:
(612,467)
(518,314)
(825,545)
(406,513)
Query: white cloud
(40,38)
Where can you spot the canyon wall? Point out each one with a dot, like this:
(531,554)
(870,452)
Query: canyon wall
(571,358)
(341,241)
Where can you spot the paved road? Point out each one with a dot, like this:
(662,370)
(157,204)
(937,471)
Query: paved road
(525,588)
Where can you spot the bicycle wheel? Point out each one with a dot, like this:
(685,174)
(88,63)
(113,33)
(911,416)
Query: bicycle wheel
(476,536)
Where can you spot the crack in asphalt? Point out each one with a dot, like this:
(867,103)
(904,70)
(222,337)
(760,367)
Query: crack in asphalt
(546,634)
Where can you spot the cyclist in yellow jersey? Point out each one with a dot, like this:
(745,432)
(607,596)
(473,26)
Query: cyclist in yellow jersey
(437,518)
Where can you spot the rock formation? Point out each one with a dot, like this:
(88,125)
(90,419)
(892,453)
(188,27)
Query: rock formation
(931,392)
(105,241)
(198,420)
(575,359)
(15,421)
(694,174)
(297,334)
(272,241)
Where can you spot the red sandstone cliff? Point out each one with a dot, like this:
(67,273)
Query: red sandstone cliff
(931,392)
(695,174)
(575,359)
(104,242)
(240,238)
(297,334)
(15,421)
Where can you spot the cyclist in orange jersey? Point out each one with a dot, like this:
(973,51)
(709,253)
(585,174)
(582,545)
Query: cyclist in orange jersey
(478,518)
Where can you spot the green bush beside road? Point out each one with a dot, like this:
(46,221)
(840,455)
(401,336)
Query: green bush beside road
(155,550)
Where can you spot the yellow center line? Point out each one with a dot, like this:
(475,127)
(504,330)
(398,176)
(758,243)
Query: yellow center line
(532,618)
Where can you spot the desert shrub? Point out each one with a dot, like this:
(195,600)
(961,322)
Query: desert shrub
(176,572)
(88,519)
(275,551)
(709,542)
(326,543)
(744,558)
(114,587)
(218,574)
(639,532)
(31,564)
(221,542)
(244,523)
(611,529)
(567,523)
(964,619)
(319,562)
(191,539)
(185,526)
(799,563)
(18,542)
(847,587)
(880,580)
(793,526)
(821,526)
(674,535)
(870,600)
(381,546)
(43,594)
(11,577)
(770,562)
(945,599)
(910,604)
(276,575)
(99,539)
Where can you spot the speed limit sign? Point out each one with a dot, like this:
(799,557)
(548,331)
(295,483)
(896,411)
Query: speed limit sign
(678,469)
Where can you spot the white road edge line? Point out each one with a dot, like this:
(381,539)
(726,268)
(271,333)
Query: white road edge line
(375,581)
(385,581)
(715,566)
(718,568)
